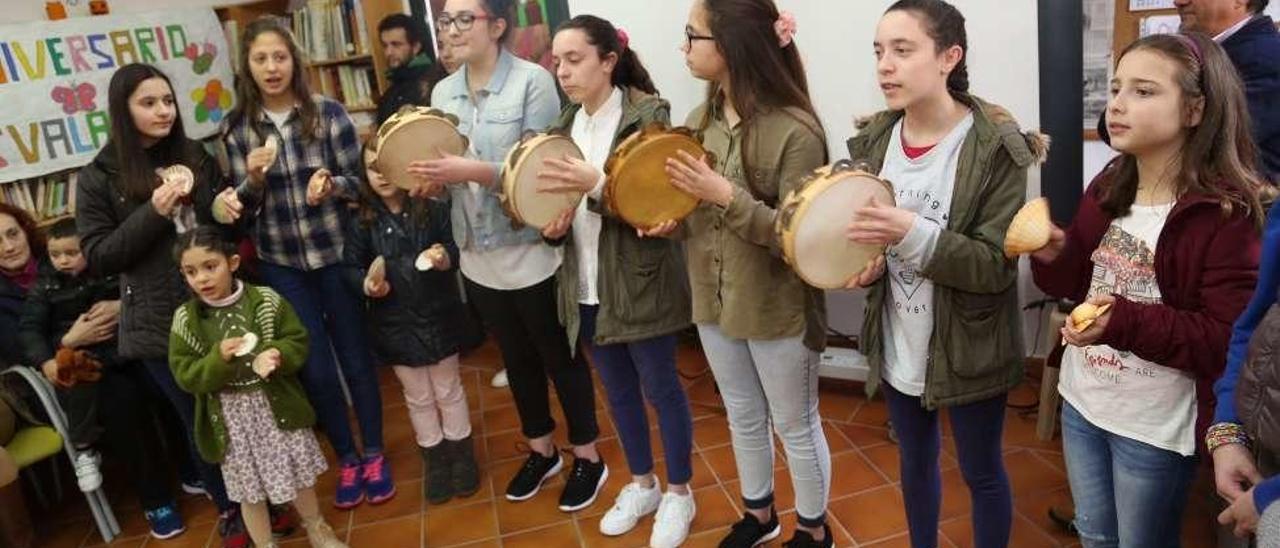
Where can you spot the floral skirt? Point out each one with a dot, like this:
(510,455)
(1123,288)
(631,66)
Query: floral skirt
(263,462)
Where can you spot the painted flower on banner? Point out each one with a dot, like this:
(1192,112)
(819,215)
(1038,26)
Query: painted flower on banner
(211,101)
(201,62)
(75,97)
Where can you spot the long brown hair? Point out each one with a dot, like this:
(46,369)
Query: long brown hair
(763,76)
(249,108)
(1218,156)
(137,174)
(35,238)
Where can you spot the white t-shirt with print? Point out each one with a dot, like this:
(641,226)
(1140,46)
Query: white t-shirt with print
(1118,391)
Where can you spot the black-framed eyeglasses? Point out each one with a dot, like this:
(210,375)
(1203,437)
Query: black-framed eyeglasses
(690,37)
(463,21)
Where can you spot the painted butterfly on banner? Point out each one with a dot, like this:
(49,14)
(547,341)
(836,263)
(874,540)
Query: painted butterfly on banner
(75,97)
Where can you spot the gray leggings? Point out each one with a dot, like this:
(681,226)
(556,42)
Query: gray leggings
(770,385)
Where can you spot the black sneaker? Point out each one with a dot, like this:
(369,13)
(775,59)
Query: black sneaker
(583,485)
(750,532)
(536,470)
(803,539)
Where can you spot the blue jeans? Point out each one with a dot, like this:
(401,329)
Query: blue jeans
(977,428)
(327,308)
(636,371)
(1127,493)
(185,405)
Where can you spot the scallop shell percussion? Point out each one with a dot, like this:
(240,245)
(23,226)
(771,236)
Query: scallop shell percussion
(180,176)
(813,220)
(1030,229)
(638,189)
(428,258)
(521,199)
(414,134)
(377,271)
(1084,315)
(248,342)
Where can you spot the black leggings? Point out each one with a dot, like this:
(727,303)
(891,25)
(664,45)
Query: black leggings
(534,346)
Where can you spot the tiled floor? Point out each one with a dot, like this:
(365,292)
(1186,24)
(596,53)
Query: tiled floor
(866,502)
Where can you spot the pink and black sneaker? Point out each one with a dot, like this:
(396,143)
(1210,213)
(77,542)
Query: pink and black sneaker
(378,487)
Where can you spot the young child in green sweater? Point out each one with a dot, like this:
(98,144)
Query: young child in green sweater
(237,348)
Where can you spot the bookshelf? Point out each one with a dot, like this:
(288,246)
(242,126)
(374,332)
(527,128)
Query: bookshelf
(340,41)
(48,198)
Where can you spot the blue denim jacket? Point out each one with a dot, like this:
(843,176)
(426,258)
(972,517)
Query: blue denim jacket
(519,97)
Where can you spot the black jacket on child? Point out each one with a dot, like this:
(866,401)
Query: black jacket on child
(12,297)
(53,306)
(419,321)
(123,235)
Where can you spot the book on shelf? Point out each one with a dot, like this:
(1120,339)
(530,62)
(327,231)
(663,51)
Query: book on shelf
(45,198)
(332,30)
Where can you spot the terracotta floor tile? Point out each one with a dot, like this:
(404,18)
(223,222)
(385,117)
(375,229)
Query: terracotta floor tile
(836,440)
(403,532)
(406,464)
(195,510)
(461,524)
(885,460)
(561,535)
(408,501)
(900,541)
(1029,474)
(1020,431)
(721,461)
(839,405)
(710,431)
(1036,509)
(851,474)
(506,445)
(702,476)
(501,419)
(865,436)
(871,515)
(540,511)
(707,539)
(637,537)
(872,413)
(1023,535)
(714,510)
(956,499)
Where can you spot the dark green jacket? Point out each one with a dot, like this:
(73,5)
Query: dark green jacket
(199,369)
(976,351)
(643,290)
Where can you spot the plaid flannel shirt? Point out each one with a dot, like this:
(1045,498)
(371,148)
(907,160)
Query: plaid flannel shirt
(285,230)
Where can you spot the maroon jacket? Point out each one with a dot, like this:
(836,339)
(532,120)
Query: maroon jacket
(1206,266)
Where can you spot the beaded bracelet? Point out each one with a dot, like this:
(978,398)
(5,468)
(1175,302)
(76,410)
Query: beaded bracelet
(1224,433)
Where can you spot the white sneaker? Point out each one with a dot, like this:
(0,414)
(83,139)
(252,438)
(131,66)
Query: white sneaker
(499,380)
(671,525)
(633,503)
(87,474)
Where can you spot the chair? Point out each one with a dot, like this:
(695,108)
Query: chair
(36,443)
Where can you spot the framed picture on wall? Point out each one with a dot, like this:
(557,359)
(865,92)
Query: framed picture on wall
(535,20)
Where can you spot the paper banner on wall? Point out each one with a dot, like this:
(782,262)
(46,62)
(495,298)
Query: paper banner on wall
(54,78)
(1158,24)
